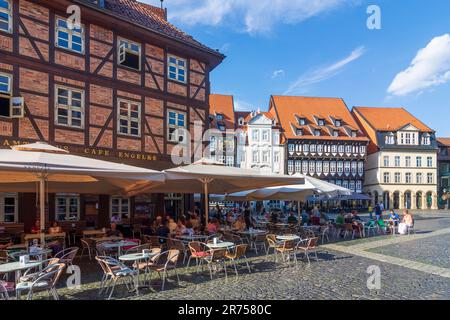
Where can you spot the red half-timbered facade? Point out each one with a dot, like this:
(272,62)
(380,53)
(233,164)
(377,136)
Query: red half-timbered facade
(115,88)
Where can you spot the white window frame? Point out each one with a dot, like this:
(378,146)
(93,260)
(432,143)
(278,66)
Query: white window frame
(179,128)
(67,197)
(333,167)
(70,35)
(386,177)
(69,107)
(120,205)
(290,166)
(298,166)
(255,135)
(178,68)
(265,156)
(419,178)
(408,161)
(430,178)
(8,95)
(124,47)
(397,177)
(419,162)
(397,161)
(386,161)
(265,135)
(430,162)
(255,156)
(129,118)
(305,167)
(408,177)
(359,185)
(326,167)
(9,12)
(3,196)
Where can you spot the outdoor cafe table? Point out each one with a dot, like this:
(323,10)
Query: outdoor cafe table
(288,238)
(135,258)
(253,232)
(220,245)
(196,237)
(32,236)
(17,246)
(118,245)
(112,238)
(93,233)
(17,267)
(39,253)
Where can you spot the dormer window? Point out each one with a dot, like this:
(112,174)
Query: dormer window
(221,127)
(321,122)
(241,121)
(390,138)
(335,133)
(354,133)
(302,121)
(317,132)
(426,139)
(219,117)
(299,132)
(338,122)
(408,138)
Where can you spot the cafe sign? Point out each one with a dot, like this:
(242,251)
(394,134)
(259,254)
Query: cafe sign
(91,152)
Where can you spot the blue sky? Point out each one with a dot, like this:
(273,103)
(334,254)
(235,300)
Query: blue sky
(324,48)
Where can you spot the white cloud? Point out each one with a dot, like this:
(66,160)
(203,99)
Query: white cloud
(324,73)
(252,16)
(430,68)
(277,73)
(240,105)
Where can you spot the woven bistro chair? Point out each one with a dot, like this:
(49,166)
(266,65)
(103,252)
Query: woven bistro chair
(87,244)
(66,256)
(307,246)
(286,248)
(259,240)
(114,271)
(198,250)
(179,245)
(45,280)
(216,258)
(169,262)
(238,254)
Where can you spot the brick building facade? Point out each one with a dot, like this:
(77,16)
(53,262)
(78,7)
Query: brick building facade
(115,88)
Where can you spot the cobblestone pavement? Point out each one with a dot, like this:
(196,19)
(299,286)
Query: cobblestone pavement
(433,250)
(340,273)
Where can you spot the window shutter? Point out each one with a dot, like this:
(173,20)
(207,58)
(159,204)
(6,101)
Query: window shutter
(122,52)
(17,107)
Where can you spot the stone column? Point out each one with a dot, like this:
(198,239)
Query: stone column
(402,201)
(391,200)
(413,201)
(424,201)
(434,203)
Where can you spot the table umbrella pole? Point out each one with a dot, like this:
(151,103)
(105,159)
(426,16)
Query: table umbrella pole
(205,184)
(42,207)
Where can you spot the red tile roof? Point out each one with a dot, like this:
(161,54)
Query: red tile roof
(444,141)
(288,109)
(390,119)
(222,104)
(151,17)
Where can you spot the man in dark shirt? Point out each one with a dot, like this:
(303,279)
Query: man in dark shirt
(163,232)
(247,217)
(292,219)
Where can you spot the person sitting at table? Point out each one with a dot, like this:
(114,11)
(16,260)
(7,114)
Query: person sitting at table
(113,232)
(115,218)
(292,219)
(407,222)
(393,218)
(189,230)
(55,228)
(230,218)
(36,228)
(305,217)
(212,226)
(163,232)
(239,224)
(274,217)
(195,221)
(348,218)
(172,226)
(181,228)
(340,219)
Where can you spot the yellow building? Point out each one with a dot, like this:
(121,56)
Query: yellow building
(401,170)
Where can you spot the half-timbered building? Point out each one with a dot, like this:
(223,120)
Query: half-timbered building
(323,139)
(114,87)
